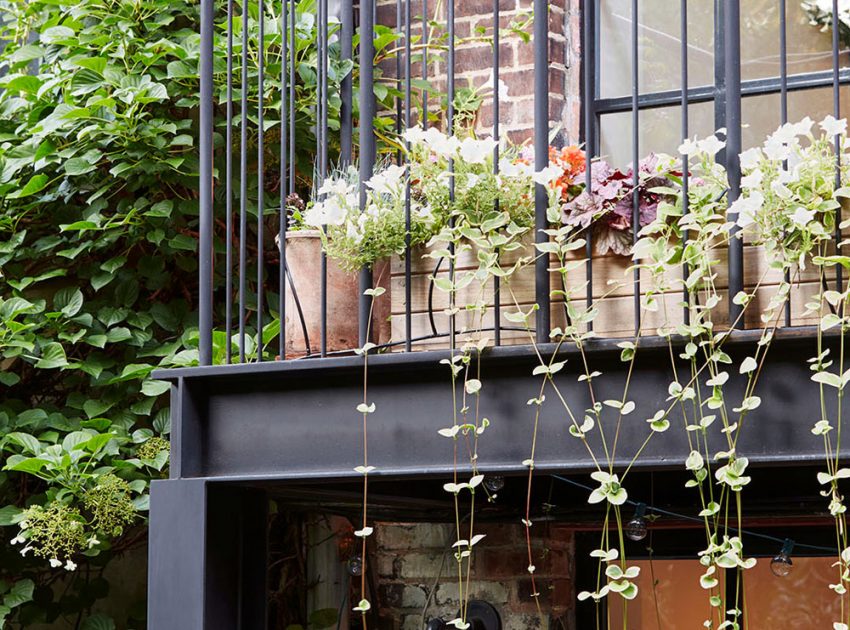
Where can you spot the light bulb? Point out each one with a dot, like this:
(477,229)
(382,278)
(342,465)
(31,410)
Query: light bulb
(354,566)
(781,565)
(636,528)
(494,483)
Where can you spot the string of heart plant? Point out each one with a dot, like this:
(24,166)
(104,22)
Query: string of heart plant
(365,408)
(485,215)
(795,191)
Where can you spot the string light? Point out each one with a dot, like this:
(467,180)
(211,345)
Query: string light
(494,483)
(354,566)
(781,564)
(687,517)
(636,528)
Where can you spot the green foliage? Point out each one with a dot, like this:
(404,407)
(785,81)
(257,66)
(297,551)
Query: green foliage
(97,241)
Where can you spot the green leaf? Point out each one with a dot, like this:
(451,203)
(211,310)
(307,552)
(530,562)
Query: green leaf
(26,441)
(10,515)
(98,622)
(155,388)
(79,166)
(68,300)
(36,184)
(20,593)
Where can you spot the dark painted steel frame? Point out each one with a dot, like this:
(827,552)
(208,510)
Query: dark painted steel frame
(239,427)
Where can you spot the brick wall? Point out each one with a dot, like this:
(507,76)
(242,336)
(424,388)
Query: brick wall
(473,62)
(417,572)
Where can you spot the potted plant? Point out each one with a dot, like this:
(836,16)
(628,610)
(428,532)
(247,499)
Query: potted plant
(333,223)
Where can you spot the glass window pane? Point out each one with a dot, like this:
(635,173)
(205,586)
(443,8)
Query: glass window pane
(676,603)
(660,131)
(659,45)
(802,599)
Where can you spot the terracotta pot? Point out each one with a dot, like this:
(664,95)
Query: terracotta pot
(304,261)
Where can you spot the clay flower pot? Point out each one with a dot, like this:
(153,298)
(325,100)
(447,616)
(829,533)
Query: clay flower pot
(304,261)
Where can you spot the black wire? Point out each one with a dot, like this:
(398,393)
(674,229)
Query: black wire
(686,517)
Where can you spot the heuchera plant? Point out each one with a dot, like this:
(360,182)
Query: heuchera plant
(607,209)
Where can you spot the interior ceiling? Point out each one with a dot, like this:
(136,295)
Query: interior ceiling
(788,493)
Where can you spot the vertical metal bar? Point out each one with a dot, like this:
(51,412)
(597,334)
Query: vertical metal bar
(541,161)
(783,106)
(635,159)
(322,156)
(450,118)
(228,192)
(589,98)
(367,141)
(497,289)
(346,139)
(205,247)
(836,102)
(261,79)
(720,71)
(732,51)
(243,184)
(685,159)
(408,320)
(284,142)
(399,80)
(293,47)
(425,40)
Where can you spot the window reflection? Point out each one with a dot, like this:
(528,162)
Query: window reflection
(802,599)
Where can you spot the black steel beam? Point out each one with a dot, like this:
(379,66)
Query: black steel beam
(297,419)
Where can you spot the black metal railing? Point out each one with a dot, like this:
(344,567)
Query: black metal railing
(269,122)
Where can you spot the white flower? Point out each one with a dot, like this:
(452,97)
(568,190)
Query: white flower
(503,88)
(414,135)
(710,145)
(547,175)
(472,180)
(688,147)
(833,127)
(477,151)
(70,565)
(775,148)
(440,143)
(753,180)
(328,212)
(93,541)
(804,127)
(746,208)
(780,190)
(334,186)
(18,539)
(387,181)
(25,550)
(511,169)
(750,158)
(55,563)
(802,216)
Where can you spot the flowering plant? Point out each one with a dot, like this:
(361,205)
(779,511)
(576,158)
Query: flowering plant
(607,208)
(457,178)
(820,14)
(358,238)
(788,192)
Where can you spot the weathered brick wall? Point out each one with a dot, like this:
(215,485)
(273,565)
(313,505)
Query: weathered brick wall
(474,62)
(417,572)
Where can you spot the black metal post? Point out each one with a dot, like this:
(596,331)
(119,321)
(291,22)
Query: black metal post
(261,80)
(367,142)
(732,50)
(228,192)
(541,161)
(346,37)
(588,69)
(205,246)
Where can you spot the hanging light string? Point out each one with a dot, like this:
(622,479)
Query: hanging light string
(687,517)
